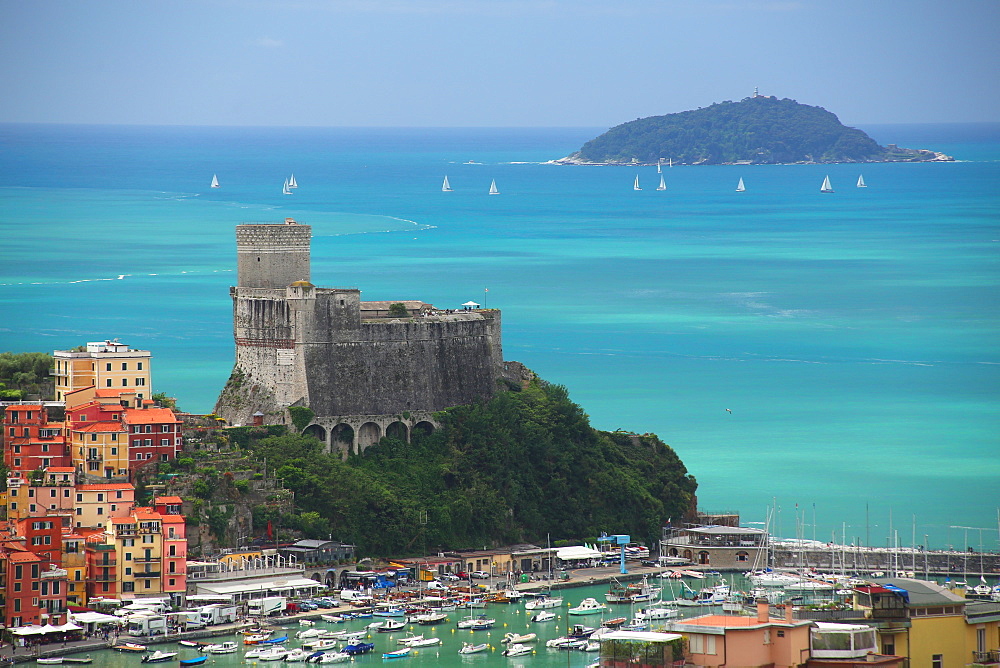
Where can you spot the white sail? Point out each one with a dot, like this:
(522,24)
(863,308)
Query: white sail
(861,181)
(659,165)
(215,181)
(636,186)
(291,182)
(445,187)
(740,187)
(285,190)
(663,185)
(493,188)
(826,187)
(671,162)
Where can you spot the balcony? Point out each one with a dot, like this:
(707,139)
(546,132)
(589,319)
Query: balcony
(147,574)
(102,578)
(104,563)
(147,560)
(990,656)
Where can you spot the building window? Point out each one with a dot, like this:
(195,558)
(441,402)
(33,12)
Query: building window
(124,382)
(124,366)
(139,366)
(109,366)
(114,451)
(937,661)
(139,382)
(108,382)
(118,494)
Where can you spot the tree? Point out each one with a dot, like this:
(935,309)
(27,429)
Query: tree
(398,310)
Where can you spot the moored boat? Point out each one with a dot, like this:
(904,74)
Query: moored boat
(227,647)
(158,657)
(517,650)
(589,606)
(130,647)
(397,654)
(543,616)
(197,661)
(469,648)
(514,638)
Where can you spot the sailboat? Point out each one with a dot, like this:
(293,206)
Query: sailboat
(636,186)
(446,187)
(740,187)
(861,181)
(663,185)
(546,600)
(493,188)
(285,190)
(826,187)
(659,166)
(215,181)
(291,182)
(671,162)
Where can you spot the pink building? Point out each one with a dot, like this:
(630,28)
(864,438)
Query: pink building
(730,640)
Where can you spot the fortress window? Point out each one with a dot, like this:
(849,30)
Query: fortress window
(258,259)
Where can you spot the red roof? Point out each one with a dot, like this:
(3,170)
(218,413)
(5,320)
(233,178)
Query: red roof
(175,519)
(60,469)
(105,485)
(112,392)
(146,513)
(168,500)
(99,426)
(150,416)
(25,407)
(23,556)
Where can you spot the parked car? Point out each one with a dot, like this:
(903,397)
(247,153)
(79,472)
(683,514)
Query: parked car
(480,575)
(450,577)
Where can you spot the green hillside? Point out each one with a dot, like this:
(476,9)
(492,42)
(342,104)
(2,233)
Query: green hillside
(758,130)
(525,464)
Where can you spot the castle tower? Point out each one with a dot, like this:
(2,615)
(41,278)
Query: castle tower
(272,255)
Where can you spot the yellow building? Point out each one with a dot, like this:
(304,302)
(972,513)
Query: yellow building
(97,505)
(74,561)
(927,623)
(104,364)
(100,449)
(138,541)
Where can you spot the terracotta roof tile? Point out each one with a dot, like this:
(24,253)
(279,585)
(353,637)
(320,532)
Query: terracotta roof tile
(150,416)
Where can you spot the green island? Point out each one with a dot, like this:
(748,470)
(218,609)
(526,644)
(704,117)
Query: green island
(756,130)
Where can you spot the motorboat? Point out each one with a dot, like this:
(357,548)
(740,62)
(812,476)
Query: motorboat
(227,647)
(332,619)
(425,642)
(589,606)
(581,631)
(359,648)
(197,661)
(429,618)
(479,623)
(320,644)
(409,638)
(517,649)
(469,648)
(544,602)
(514,638)
(389,626)
(158,657)
(543,616)
(296,655)
(333,657)
(272,654)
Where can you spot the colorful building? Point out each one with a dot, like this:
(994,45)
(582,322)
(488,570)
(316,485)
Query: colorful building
(174,546)
(104,364)
(50,494)
(31,441)
(97,504)
(762,640)
(154,435)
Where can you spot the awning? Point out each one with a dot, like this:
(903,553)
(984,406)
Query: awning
(577,552)
(260,586)
(33,630)
(93,618)
(471,303)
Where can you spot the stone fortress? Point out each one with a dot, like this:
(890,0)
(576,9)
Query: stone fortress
(362,372)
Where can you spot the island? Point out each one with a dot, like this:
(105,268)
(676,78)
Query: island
(760,129)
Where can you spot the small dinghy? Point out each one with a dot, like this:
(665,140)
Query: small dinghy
(398,654)
(469,648)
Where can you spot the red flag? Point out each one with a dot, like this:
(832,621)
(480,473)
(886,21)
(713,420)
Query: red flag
(270,531)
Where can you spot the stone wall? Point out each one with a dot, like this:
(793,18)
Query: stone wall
(301,345)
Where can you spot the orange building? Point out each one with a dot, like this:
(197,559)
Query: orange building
(721,640)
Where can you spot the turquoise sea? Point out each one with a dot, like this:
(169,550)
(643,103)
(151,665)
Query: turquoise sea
(853,336)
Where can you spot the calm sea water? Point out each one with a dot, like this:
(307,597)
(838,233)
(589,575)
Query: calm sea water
(853,336)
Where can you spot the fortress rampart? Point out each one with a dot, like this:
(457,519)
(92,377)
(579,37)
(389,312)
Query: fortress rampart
(301,345)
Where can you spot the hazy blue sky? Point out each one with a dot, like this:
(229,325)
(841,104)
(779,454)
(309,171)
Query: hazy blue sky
(491,62)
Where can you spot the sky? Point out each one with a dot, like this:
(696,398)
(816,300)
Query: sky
(489,63)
